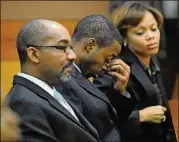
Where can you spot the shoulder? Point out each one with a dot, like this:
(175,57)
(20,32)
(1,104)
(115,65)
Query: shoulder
(20,95)
(18,90)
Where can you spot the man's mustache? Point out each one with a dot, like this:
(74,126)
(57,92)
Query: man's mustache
(69,64)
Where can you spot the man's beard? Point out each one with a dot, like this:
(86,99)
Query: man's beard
(66,71)
(64,78)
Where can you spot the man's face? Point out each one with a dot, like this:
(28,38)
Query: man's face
(53,61)
(97,60)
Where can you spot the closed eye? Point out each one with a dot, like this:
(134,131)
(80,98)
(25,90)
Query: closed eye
(60,47)
(154,29)
(139,33)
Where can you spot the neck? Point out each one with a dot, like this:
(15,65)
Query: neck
(33,72)
(144,59)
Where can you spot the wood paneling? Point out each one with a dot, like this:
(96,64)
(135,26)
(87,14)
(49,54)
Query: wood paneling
(9,31)
(8,69)
(16,10)
(174,110)
(175,90)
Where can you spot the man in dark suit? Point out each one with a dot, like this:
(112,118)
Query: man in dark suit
(96,41)
(45,57)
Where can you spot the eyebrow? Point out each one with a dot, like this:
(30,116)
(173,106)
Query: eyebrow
(63,41)
(143,27)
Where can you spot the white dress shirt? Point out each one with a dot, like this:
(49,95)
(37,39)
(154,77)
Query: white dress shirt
(77,67)
(53,92)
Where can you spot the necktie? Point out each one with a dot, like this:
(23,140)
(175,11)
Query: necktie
(63,102)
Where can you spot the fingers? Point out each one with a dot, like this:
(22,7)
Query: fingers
(163,118)
(159,119)
(119,69)
(121,78)
(155,114)
(161,108)
(118,64)
(164,109)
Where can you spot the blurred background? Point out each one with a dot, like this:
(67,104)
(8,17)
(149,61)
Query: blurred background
(15,13)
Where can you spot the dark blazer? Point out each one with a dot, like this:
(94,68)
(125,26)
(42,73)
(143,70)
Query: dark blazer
(43,118)
(144,90)
(96,107)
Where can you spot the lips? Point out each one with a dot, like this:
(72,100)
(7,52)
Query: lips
(153,45)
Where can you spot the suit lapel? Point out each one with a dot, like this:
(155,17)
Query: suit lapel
(46,96)
(85,122)
(87,85)
(144,80)
(138,72)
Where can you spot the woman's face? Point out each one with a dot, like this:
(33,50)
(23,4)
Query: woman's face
(144,38)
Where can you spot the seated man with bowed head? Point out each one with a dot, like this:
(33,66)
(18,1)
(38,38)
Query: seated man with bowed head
(97,42)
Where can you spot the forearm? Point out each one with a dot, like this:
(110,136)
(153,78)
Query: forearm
(132,126)
(123,105)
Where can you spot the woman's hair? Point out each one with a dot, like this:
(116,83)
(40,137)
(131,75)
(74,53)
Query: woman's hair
(130,14)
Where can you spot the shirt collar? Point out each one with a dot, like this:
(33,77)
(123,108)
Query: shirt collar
(153,66)
(38,82)
(77,67)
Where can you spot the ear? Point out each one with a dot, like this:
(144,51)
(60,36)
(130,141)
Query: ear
(33,54)
(91,44)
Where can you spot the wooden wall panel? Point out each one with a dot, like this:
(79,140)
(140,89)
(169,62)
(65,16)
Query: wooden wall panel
(16,10)
(174,110)
(175,90)
(8,69)
(9,31)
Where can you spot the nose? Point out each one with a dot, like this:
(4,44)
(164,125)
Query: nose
(149,35)
(71,55)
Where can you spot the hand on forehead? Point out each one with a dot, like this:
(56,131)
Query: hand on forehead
(117,62)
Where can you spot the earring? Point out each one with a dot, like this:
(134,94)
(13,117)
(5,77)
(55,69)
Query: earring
(125,43)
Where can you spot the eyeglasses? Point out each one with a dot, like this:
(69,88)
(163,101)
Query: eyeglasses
(66,48)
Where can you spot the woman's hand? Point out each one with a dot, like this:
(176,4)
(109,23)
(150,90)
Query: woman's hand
(155,114)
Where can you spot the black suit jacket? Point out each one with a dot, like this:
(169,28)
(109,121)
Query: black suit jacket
(96,107)
(43,118)
(144,90)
